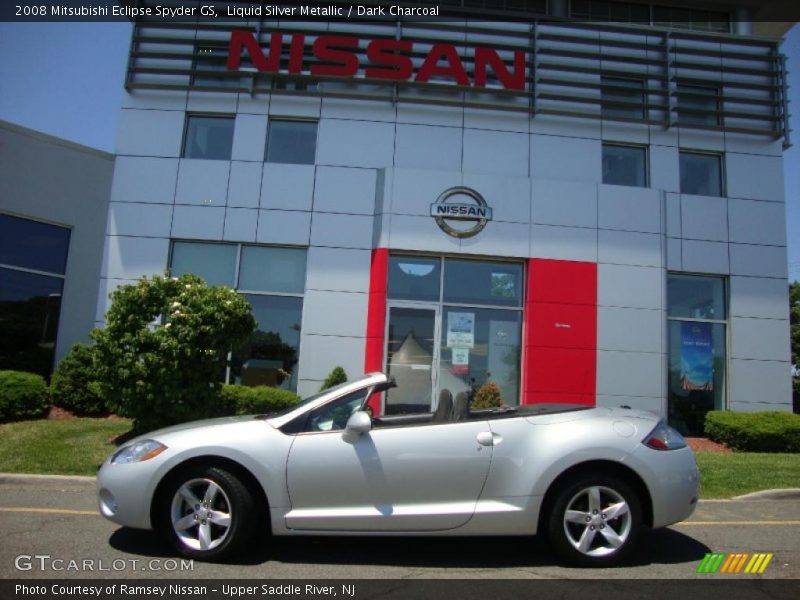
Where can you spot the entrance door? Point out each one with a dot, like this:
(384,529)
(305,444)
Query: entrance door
(412,355)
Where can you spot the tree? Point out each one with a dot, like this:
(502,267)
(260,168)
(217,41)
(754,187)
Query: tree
(794,320)
(161,355)
(335,377)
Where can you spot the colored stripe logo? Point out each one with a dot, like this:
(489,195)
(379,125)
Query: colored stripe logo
(735,563)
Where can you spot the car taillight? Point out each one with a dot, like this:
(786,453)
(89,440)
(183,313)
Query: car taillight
(664,437)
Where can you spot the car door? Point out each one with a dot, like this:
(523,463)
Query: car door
(413,477)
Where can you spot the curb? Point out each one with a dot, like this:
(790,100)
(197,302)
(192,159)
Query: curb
(777,494)
(34,479)
(780,494)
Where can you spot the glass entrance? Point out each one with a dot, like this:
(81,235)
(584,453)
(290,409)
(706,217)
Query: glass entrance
(453,324)
(411,357)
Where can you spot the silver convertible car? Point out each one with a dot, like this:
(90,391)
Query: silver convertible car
(590,479)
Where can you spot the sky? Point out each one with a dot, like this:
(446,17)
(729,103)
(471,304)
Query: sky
(66,79)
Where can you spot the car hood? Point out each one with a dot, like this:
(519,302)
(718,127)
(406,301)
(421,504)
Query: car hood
(159,434)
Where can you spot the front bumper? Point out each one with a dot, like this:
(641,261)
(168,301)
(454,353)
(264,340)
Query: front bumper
(125,493)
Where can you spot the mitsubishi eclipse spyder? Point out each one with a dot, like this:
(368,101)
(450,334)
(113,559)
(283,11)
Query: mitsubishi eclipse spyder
(590,479)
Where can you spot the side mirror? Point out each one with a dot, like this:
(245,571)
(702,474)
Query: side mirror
(358,423)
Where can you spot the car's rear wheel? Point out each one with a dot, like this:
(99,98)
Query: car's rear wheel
(207,513)
(595,521)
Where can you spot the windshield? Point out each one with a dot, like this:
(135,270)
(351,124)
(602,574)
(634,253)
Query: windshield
(309,399)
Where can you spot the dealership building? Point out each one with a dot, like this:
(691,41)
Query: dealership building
(581,202)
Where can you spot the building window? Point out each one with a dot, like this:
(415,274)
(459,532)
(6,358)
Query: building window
(461,318)
(208,137)
(603,10)
(690,18)
(699,105)
(696,312)
(33,262)
(701,173)
(210,59)
(629,92)
(664,16)
(624,165)
(291,141)
(273,281)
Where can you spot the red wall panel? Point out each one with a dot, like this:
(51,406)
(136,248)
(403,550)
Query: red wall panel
(560,354)
(376,310)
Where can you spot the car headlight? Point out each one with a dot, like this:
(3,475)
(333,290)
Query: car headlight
(664,437)
(138,452)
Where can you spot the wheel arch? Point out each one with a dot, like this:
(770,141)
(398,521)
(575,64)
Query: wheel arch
(235,468)
(593,467)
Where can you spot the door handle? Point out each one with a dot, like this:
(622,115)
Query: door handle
(485,438)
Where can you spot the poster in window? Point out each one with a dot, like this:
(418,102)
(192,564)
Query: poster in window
(460,361)
(697,356)
(460,330)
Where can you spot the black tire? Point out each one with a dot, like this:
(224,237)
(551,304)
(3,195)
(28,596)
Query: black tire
(207,538)
(608,540)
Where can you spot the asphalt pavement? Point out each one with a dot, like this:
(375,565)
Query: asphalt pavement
(51,529)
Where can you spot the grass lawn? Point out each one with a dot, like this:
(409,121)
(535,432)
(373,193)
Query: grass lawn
(77,446)
(68,447)
(733,474)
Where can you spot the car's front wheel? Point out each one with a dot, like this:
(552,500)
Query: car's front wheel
(207,513)
(595,521)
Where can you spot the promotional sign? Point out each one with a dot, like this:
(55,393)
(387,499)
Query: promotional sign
(460,361)
(697,356)
(460,330)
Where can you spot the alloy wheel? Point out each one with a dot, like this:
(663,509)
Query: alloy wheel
(597,521)
(201,514)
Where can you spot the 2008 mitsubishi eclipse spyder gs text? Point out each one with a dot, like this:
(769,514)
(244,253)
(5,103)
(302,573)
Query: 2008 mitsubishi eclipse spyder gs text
(590,479)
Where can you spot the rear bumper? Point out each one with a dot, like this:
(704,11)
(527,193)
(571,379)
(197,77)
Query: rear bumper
(674,481)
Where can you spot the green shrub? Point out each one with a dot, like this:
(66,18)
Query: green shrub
(755,432)
(335,377)
(164,346)
(22,396)
(488,396)
(244,400)
(74,384)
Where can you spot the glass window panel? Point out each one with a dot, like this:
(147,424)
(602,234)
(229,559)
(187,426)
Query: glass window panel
(409,358)
(414,278)
(208,137)
(334,415)
(269,357)
(30,305)
(701,174)
(695,297)
(474,282)
(33,245)
(624,165)
(281,270)
(487,350)
(215,263)
(621,89)
(696,373)
(292,142)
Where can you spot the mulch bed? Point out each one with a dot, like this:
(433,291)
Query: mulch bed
(59,414)
(706,445)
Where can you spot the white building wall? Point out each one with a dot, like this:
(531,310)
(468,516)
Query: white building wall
(378,168)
